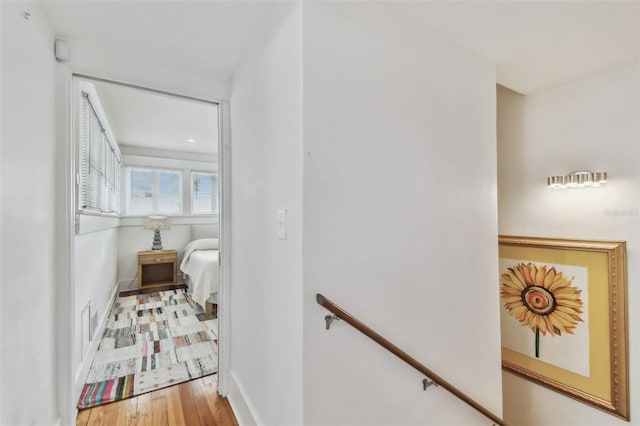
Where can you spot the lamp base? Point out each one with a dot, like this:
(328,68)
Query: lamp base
(157,240)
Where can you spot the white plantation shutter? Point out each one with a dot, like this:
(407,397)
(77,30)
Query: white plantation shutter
(204,193)
(84,195)
(153,190)
(99,164)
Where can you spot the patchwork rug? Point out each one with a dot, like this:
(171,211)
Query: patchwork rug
(151,341)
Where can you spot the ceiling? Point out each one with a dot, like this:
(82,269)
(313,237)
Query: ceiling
(538,44)
(208,36)
(211,36)
(534,44)
(146,119)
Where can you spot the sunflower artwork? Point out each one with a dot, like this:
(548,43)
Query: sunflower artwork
(541,298)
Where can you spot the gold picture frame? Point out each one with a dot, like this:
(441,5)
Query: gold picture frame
(564,317)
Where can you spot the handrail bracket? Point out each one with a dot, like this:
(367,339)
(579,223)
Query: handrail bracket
(329,319)
(426,383)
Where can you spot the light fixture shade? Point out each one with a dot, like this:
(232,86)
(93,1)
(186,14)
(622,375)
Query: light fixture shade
(160,223)
(580,179)
(599,178)
(556,182)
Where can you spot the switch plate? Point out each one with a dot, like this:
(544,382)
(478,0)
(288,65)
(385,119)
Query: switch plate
(281,217)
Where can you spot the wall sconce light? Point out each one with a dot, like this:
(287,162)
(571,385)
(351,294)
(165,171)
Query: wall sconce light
(577,180)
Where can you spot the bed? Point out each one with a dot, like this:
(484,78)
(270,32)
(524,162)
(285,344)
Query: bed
(200,264)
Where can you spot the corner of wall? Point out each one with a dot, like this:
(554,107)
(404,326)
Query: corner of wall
(241,404)
(85,364)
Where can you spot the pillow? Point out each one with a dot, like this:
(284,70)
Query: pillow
(202,244)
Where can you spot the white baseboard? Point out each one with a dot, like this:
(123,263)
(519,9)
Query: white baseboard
(83,370)
(128,284)
(243,409)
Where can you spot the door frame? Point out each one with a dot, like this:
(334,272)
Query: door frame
(66,220)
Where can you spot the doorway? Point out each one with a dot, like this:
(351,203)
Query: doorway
(140,155)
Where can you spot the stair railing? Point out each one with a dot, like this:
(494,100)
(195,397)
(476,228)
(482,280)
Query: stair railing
(435,379)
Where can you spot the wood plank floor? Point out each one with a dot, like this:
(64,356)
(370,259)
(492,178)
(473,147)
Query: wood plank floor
(188,404)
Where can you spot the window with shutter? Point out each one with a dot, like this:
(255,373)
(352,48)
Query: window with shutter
(153,190)
(204,193)
(99,163)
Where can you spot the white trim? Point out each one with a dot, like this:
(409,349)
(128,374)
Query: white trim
(157,162)
(169,154)
(93,223)
(123,285)
(242,407)
(85,364)
(175,220)
(224,294)
(65,235)
(148,88)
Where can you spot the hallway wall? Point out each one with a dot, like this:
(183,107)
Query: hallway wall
(266,272)
(399,218)
(27,269)
(591,124)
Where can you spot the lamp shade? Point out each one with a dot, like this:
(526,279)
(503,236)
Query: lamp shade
(157,223)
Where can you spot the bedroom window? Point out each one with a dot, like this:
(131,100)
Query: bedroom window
(204,193)
(99,162)
(153,191)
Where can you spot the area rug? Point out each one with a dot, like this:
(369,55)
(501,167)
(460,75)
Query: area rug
(151,341)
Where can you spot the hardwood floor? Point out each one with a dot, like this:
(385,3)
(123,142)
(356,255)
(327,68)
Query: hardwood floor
(187,404)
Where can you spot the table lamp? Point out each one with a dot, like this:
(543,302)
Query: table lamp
(157,223)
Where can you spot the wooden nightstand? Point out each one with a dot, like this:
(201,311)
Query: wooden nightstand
(157,267)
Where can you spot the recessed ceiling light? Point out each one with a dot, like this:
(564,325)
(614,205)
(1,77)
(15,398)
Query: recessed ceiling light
(191,140)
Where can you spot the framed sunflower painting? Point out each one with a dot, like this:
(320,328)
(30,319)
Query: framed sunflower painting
(564,317)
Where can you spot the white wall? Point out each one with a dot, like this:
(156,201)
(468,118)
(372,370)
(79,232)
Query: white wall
(399,218)
(27,392)
(94,259)
(95,263)
(590,124)
(266,291)
(93,60)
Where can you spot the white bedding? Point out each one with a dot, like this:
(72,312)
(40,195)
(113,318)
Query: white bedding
(202,266)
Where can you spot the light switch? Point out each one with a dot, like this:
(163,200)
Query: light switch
(282,223)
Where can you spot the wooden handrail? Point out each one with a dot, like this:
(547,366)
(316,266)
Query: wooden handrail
(367,331)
